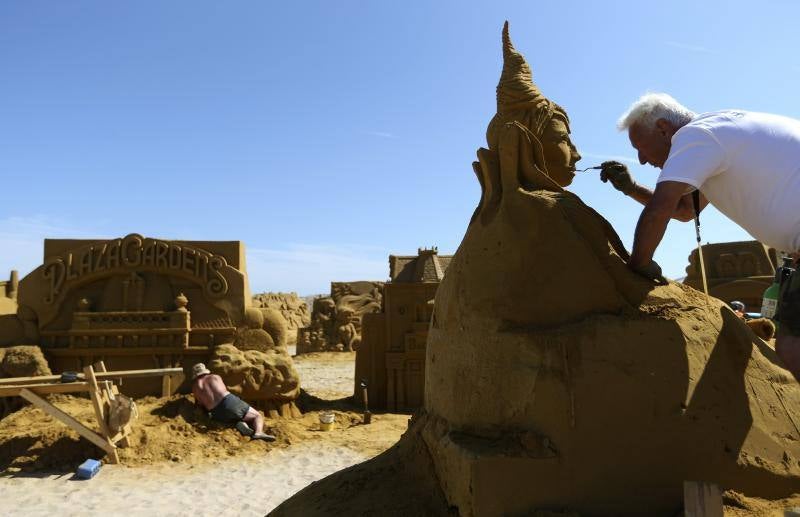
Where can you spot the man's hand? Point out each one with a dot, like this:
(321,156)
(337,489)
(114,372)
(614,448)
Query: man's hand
(651,271)
(619,176)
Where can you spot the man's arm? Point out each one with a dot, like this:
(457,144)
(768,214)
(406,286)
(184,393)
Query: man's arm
(619,176)
(652,223)
(684,210)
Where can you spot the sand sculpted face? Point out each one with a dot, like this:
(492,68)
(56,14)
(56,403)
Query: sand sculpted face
(560,154)
(545,123)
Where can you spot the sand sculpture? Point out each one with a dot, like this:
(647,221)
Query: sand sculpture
(8,294)
(557,379)
(391,355)
(735,271)
(138,303)
(265,378)
(336,319)
(293,309)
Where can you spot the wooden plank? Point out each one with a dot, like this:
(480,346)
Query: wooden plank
(69,421)
(99,411)
(115,332)
(122,436)
(21,381)
(45,389)
(127,351)
(134,374)
(701,499)
(121,374)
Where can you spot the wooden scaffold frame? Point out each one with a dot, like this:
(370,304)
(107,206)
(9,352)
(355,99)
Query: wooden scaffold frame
(98,383)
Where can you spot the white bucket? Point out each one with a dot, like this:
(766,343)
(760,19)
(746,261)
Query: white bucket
(326,419)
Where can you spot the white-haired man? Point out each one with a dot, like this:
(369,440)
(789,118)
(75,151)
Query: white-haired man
(746,164)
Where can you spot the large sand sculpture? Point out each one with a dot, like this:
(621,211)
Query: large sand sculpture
(735,271)
(138,302)
(391,355)
(336,319)
(557,379)
(293,309)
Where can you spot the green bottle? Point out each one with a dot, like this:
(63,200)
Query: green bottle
(769,305)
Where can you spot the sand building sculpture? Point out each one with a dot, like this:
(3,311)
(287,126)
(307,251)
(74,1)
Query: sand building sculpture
(735,271)
(336,319)
(8,293)
(557,379)
(391,356)
(137,303)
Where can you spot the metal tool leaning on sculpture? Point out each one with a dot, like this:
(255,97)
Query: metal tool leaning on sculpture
(746,164)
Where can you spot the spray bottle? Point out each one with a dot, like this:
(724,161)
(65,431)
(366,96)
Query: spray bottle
(769,305)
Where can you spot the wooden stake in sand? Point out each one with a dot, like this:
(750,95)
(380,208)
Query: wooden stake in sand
(701,499)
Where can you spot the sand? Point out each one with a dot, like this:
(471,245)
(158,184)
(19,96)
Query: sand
(332,373)
(250,486)
(175,454)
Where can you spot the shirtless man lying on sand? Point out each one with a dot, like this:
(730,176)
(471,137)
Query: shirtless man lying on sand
(223,406)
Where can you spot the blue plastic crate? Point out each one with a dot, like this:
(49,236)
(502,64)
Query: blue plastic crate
(88,469)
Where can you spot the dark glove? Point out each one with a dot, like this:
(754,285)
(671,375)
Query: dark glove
(652,272)
(789,306)
(619,176)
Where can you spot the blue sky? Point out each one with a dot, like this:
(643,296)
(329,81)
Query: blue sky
(327,135)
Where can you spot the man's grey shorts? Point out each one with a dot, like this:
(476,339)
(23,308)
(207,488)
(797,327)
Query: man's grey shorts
(231,409)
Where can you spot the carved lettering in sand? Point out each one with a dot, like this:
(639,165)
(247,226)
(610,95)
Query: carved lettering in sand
(135,252)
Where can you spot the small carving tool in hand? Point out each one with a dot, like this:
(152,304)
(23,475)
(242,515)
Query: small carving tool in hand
(595,168)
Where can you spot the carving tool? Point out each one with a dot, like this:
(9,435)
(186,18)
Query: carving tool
(696,203)
(595,168)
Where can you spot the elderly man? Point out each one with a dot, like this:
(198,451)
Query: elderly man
(746,164)
(223,406)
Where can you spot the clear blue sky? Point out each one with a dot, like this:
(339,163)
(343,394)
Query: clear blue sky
(326,135)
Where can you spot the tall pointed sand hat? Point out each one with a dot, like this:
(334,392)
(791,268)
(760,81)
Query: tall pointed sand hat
(516,89)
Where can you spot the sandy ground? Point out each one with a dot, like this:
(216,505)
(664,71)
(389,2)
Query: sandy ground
(327,375)
(230,476)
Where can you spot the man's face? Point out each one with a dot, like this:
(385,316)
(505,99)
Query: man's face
(652,143)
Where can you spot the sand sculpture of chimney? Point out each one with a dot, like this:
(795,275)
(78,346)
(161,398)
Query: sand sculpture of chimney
(558,380)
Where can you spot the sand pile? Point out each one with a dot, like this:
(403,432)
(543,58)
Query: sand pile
(20,361)
(23,361)
(557,379)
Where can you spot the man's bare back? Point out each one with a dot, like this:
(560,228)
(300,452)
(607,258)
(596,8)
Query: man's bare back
(209,390)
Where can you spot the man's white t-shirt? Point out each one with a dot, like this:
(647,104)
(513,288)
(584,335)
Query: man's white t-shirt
(748,166)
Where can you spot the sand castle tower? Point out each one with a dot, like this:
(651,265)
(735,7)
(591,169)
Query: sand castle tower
(557,379)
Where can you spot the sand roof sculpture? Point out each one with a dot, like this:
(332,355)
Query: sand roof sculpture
(557,379)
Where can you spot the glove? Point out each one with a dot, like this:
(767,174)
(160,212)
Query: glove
(652,272)
(619,176)
(789,306)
